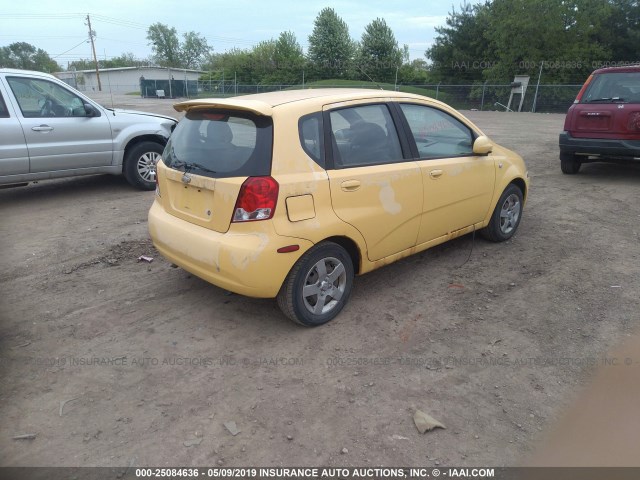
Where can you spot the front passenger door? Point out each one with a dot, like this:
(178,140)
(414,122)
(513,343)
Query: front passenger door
(59,133)
(457,185)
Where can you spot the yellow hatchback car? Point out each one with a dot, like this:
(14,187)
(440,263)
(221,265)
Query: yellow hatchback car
(290,194)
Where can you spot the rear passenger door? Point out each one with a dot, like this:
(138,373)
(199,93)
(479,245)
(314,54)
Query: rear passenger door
(14,157)
(375,186)
(458,185)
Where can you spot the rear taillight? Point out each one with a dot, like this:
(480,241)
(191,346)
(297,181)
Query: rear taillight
(634,122)
(582,90)
(257,200)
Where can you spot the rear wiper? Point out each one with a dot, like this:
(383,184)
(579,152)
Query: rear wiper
(188,166)
(607,99)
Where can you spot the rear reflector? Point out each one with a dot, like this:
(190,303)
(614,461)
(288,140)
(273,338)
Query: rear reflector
(257,200)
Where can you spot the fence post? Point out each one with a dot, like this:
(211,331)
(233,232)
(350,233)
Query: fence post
(484,86)
(535,97)
(438,89)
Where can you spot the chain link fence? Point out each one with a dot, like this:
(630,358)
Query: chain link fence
(541,98)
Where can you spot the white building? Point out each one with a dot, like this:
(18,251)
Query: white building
(129,79)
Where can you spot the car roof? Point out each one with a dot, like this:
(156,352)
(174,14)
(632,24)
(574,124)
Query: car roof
(625,69)
(15,71)
(265,103)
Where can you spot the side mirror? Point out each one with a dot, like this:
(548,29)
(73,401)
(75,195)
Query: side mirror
(482,146)
(91,111)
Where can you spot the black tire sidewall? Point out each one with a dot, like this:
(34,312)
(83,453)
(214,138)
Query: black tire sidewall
(131,164)
(323,251)
(495,219)
(569,164)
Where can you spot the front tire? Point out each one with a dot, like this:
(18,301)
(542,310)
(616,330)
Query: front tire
(140,164)
(569,164)
(318,286)
(506,216)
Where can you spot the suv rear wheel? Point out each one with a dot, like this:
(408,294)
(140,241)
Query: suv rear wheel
(318,286)
(140,164)
(569,163)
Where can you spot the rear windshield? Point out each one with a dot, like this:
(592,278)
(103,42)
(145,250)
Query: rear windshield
(614,88)
(221,144)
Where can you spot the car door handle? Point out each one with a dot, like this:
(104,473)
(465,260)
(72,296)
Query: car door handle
(350,185)
(436,173)
(42,128)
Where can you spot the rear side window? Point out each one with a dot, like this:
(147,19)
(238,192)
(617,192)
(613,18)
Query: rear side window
(311,137)
(613,88)
(221,144)
(436,133)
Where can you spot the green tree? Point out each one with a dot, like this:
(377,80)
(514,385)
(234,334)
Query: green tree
(289,59)
(414,72)
(621,30)
(566,44)
(566,38)
(124,60)
(233,64)
(194,50)
(379,55)
(168,51)
(331,49)
(25,56)
(278,61)
(460,49)
(263,61)
(165,45)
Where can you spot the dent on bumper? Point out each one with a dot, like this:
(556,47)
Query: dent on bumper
(244,262)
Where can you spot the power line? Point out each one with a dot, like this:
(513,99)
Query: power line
(83,41)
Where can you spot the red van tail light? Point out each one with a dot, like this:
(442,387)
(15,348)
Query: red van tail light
(582,90)
(634,122)
(257,199)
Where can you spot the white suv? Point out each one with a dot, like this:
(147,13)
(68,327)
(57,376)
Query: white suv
(50,130)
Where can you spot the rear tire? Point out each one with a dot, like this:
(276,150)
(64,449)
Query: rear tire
(569,164)
(318,286)
(506,216)
(140,164)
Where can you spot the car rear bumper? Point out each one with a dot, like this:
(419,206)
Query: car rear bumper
(604,148)
(244,260)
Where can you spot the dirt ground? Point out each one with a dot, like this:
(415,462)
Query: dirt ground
(115,362)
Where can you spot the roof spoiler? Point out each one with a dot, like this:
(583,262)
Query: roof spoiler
(259,108)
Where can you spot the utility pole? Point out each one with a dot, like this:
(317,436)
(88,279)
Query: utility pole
(93,48)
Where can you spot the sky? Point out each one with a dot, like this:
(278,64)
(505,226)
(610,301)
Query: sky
(59,27)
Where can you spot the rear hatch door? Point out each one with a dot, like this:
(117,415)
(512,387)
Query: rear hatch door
(609,108)
(210,154)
